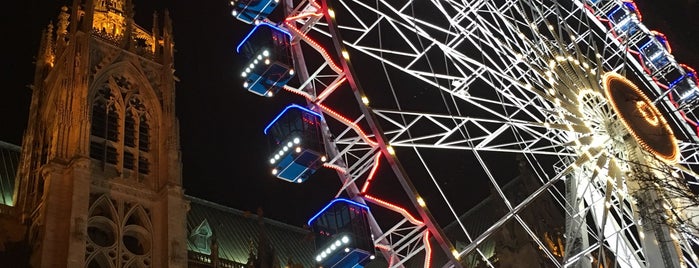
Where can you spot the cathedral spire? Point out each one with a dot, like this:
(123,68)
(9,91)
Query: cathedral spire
(167,40)
(156,34)
(74,14)
(62,27)
(130,25)
(46,54)
(89,16)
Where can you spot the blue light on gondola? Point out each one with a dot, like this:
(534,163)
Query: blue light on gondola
(247,37)
(310,221)
(342,235)
(268,49)
(686,86)
(253,11)
(297,148)
(291,106)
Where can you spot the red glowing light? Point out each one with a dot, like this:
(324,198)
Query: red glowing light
(349,123)
(663,39)
(428,249)
(395,208)
(372,173)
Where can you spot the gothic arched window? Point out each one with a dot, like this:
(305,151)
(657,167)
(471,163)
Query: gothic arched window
(136,137)
(104,131)
(120,131)
(143,145)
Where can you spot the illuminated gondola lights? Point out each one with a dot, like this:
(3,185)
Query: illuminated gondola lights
(331,13)
(333,247)
(663,40)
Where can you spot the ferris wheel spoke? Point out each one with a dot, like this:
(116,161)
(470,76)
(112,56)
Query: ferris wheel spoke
(406,129)
(690,153)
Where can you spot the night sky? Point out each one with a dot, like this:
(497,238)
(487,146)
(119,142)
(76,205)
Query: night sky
(223,148)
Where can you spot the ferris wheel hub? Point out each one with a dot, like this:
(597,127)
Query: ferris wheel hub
(640,117)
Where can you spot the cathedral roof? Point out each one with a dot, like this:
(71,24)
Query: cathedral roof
(9,160)
(235,230)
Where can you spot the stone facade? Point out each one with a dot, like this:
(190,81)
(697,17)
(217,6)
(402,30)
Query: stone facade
(99,181)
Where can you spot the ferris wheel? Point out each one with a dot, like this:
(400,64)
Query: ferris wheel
(485,133)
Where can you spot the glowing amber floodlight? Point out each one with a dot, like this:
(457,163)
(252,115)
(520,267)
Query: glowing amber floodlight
(640,117)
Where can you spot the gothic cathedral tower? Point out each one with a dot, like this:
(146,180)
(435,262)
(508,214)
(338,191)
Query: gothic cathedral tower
(99,183)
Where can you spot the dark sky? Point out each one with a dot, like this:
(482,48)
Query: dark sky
(223,147)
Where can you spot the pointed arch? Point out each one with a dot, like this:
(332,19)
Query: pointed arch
(137,215)
(135,74)
(102,230)
(137,236)
(103,206)
(122,93)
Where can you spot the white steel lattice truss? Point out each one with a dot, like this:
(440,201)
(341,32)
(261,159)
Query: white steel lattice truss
(447,102)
